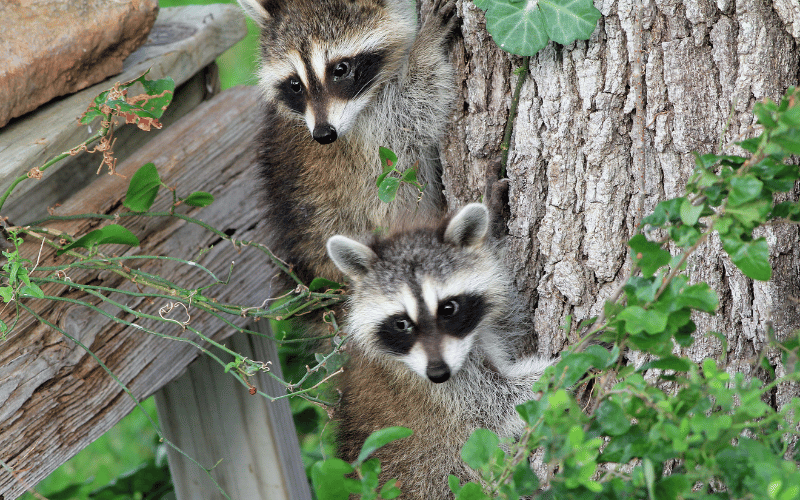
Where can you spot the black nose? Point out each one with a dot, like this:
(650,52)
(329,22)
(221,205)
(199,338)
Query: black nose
(324,134)
(438,373)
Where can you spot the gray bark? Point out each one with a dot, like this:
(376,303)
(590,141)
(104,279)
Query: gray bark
(605,130)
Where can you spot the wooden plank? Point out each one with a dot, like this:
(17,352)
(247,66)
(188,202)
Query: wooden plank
(209,417)
(54,398)
(183,41)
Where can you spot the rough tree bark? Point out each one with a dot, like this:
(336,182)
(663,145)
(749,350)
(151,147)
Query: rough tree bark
(605,130)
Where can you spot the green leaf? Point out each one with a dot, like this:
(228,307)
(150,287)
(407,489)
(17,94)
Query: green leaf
(569,20)
(6,293)
(387,156)
(751,257)
(666,211)
(318,284)
(648,255)
(789,140)
(516,29)
(637,320)
(387,191)
(752,213)
(381,438)
(410,176)
(32,291)
(199,199)
(699,296)
(329,480)
(110,234)
(690,213)
(612,418)
(143,188)
(573,366)
(524,479)
(471,491)
(479,448)
(390,490)
(744,189)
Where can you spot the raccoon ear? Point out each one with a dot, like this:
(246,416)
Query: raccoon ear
(259,11)
(469,226)
(351,257)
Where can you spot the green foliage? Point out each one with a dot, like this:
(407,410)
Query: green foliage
(126,454)
(113,233)
(335,479)
(142,189)
(708,424)
(524,27)
(144,109)
(388,184)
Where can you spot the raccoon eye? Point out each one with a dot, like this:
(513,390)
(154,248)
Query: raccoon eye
(295,85)
(448,309)
(403,325)
(341,70)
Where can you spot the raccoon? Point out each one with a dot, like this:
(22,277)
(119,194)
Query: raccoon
(433,329)
(341,78)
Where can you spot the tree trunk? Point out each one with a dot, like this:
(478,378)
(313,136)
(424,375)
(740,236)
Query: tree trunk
(605,131)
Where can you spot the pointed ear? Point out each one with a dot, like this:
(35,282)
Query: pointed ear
(351,257)
(259,11)
(469,226)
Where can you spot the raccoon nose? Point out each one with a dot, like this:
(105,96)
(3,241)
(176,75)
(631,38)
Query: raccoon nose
(438,373)
(324,134)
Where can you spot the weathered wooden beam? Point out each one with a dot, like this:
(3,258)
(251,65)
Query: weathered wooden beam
(183,41)
(54,398)
(212,418)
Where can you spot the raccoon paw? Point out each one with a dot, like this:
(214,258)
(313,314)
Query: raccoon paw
(441,22)
(495,196)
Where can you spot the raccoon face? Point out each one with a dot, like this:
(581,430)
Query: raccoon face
(323,61)
(422,297)
(434,336)
(329,93)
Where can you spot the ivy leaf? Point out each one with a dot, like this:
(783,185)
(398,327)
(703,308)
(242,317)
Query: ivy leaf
(381,438)
(568,20)
(199,199)
(516,29)
(751,257)
(142,189)
(113,233)
(387,191)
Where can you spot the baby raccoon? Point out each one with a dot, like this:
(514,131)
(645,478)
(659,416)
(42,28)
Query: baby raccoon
(340,79)
(433,329)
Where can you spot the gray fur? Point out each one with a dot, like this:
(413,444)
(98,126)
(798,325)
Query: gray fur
(382,389)
(313,190)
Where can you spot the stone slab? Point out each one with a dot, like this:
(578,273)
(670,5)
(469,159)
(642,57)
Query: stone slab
(52,48)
